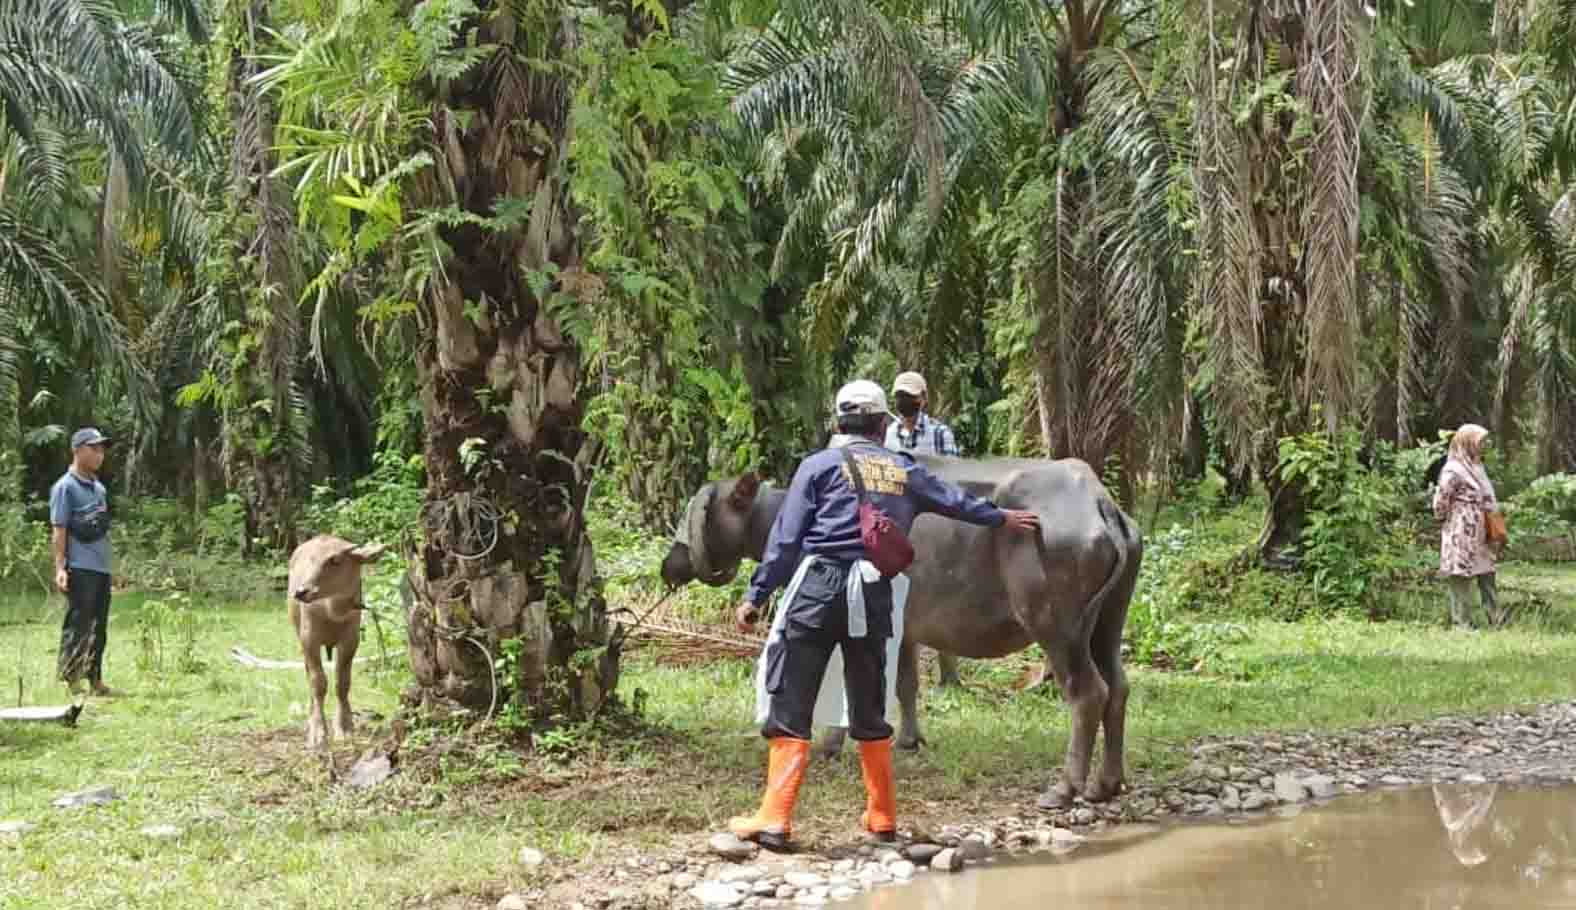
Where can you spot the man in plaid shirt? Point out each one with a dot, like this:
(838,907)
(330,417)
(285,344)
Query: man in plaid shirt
(916,431)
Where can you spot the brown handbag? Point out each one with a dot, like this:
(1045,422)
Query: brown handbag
(1494,528)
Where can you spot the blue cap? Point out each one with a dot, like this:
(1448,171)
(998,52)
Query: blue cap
(88,436)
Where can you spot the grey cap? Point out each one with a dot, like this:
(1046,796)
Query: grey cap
(861,397)
(88,436)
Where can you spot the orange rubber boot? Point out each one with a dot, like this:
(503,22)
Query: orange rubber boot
(772,824)
(880,818)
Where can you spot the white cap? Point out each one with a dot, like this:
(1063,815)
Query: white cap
(861,397)
(910,383)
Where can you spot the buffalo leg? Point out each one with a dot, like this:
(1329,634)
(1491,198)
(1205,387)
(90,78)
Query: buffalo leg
(317,681)
(1086,695)
(947,670)
(830,745)
(1107,651)
(908,736)
(344,661)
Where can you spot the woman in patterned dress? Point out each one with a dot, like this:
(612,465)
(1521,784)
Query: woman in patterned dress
(1464,498)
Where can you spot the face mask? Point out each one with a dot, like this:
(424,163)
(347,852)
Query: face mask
(907,405)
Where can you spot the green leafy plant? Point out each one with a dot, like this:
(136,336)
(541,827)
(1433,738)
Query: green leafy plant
(1353,540)
(1156,634)
(381,506)
(168,634)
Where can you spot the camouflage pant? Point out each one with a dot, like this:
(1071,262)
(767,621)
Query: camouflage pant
(86,628)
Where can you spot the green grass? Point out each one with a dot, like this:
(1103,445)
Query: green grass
(219,751)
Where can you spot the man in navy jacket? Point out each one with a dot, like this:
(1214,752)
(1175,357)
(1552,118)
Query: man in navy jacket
(815,549)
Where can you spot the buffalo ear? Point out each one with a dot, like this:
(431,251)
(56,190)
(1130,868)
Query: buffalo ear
(744,489)
(371,552)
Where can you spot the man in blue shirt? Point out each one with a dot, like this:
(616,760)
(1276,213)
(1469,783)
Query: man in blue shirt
(815,549)
(79,516)
(915,430)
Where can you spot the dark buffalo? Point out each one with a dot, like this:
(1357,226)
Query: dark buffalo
(982,593)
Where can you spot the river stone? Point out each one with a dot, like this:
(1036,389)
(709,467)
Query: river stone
(843,893)
(901,870)
(684,881)
(371,771)
(875,875)
(805,879)
(95,796)
(809,900)
(1288,789)
(742,874)
(922,853)
(1394,780)
(530,857)
(1255,800)
(948,860)
(513,902)
(1321,786)
(16,828)
(717,894)
(764,889)
(973,850)
(729,847)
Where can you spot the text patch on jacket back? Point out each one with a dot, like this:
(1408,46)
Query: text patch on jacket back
(882,476)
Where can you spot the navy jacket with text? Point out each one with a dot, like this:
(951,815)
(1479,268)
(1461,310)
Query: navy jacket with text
(820,515)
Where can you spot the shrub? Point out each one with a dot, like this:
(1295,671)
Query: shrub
(382,506)
(1153,633)
(1553,495)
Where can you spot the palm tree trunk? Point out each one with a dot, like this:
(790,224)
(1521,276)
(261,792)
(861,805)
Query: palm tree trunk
(1193,454)
(507,603)
(262,445)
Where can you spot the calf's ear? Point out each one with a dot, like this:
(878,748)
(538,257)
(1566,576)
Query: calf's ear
(368,552)
(744,489)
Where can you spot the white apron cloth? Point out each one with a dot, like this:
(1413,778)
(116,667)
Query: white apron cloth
(831,703)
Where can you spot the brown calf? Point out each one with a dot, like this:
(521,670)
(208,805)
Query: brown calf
(325,608)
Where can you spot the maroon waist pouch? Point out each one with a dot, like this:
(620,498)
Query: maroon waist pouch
(886,546)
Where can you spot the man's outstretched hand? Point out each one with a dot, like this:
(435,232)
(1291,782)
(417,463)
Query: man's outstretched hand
(1020,520)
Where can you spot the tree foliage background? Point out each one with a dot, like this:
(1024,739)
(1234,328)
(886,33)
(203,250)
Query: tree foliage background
(551,247)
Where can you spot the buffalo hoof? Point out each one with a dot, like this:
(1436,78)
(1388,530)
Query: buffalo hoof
(1058,797)
(830,745)
(1100,791)
(910,743)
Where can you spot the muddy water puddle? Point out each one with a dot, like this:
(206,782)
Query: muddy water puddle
(1456,846)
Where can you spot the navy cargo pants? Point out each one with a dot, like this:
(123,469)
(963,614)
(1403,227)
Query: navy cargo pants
(815,623)
(86,628)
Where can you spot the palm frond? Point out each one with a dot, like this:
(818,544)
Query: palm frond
(1328,79)
(1229,273)
(10,386)
(32,268)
